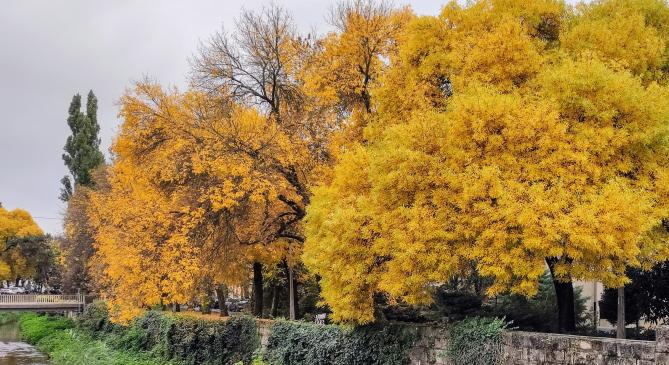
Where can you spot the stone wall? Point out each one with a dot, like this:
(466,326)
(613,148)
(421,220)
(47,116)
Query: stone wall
(430,349)
(528,348)
(532,348)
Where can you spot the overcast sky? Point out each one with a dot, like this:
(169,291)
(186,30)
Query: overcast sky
(52,49)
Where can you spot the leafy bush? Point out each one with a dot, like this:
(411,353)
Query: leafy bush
(294,343)
(185,339)
(35,327)
(196,341)
(95,319)
(477,341)
(535,314)
(456,305)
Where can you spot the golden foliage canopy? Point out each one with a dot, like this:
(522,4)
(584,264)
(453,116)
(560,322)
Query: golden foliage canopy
(16,223)
(547,148)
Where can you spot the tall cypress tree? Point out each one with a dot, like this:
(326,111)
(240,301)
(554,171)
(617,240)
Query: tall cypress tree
(82,148)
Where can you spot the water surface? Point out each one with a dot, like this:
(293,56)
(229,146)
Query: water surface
(13,351)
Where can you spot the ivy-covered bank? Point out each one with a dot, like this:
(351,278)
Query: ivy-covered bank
(160,338)
(296,343)
(163,338)
(153,339)
(66,345)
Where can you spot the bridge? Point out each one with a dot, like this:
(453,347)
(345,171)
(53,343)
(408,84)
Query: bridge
(41,302)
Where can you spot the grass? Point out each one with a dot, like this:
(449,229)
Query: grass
(8,317)
(65,345)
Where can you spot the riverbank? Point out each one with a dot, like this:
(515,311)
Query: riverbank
(13,350)
(65,344)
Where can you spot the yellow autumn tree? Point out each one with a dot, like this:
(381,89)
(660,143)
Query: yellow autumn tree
(207,183)
(341,68)
(15,224)
(496,144)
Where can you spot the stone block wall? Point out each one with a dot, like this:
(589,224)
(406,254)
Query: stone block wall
(528,348)
(430,348)
(533,348)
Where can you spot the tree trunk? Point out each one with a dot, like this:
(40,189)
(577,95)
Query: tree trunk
(620,320)
(292,298)
(274,311)
(564,293)
(222,294)
(257,289)
(176,307)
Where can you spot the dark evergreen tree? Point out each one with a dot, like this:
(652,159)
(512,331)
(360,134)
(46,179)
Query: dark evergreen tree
(646,297)
(82,148)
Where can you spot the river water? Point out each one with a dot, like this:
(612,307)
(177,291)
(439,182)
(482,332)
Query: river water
(15,352)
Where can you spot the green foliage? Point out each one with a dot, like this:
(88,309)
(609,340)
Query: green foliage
(183,339)
(8,317)
(647,296)
(294,343)
(538,313)
(34,257)
(195,341)
(95,319)
(71,347)
(456,305)
(477,341)
(36,327)
(82,148)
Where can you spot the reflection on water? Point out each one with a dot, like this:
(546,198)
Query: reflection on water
(15,352)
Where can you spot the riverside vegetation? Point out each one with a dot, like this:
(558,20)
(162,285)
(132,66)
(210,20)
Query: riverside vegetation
(160,338)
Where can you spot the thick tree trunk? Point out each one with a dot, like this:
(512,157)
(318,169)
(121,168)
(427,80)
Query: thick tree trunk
(620,320)
(564,294)
(222,294)
(274,311)
(176,307)
(257,289)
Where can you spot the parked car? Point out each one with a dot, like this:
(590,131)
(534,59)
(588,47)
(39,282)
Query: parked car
(236,305)
(12,290)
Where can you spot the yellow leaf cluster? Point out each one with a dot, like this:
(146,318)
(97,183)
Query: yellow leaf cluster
(15,224)
(552,144)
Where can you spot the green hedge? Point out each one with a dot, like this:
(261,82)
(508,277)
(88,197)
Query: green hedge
(295,343)
(186,340)
(195,341)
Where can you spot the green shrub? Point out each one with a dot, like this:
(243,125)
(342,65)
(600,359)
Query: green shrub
(36,327)
(95,319)
(196,341)
(538,313)
(456,305)
(476,341)
(294,343)
(183,339)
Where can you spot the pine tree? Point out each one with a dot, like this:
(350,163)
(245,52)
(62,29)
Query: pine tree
(82,148)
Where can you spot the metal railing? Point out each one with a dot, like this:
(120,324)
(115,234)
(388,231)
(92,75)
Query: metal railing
(41,298)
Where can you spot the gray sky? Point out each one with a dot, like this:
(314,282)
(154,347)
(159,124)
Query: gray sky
(52,49)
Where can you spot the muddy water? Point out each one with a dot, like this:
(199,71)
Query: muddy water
(15,352)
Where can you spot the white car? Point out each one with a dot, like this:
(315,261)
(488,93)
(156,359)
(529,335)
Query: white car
(12,290)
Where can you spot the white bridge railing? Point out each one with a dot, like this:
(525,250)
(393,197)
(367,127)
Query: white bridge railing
(41,298)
